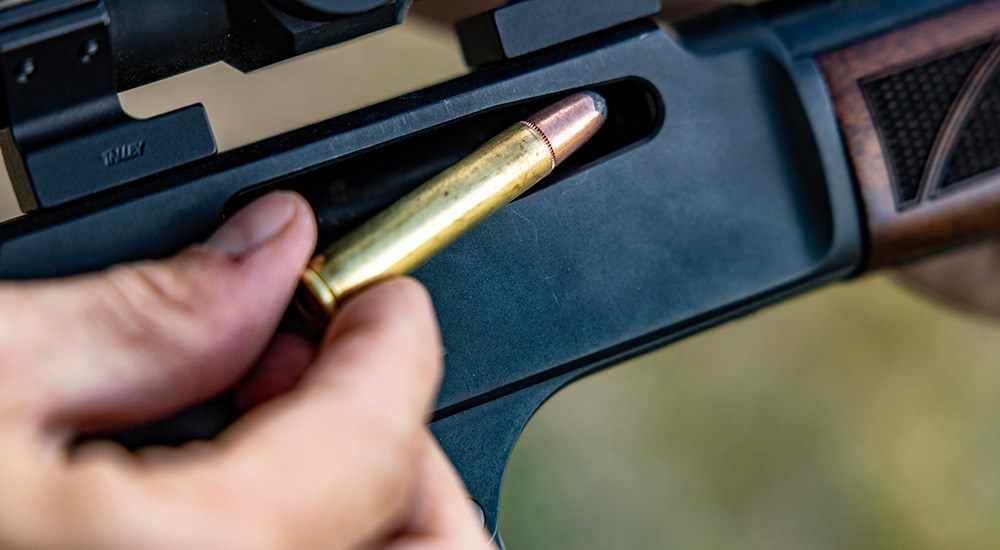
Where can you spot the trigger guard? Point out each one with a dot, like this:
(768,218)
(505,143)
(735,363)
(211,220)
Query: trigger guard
(479,441)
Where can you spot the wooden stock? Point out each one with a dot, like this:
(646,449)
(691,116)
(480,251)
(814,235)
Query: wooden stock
(919,108)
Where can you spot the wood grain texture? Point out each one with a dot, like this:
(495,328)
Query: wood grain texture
(969,211)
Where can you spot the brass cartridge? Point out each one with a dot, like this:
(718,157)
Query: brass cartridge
(406,235)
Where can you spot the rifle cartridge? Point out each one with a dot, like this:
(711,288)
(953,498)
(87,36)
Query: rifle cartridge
(406,235)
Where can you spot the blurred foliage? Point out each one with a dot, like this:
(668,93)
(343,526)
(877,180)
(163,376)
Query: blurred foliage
(856,417)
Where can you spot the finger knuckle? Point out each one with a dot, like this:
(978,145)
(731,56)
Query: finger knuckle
(148,300)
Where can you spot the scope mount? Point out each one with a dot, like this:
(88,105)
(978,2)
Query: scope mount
(66,135)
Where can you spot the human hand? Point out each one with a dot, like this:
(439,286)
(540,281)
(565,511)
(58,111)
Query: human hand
(343,460)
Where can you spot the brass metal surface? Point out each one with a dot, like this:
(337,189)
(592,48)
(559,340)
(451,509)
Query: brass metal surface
(406,235)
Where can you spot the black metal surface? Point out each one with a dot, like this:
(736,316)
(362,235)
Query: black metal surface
(736,195)
(78,167)
(331,8)
(532,25)
(262,33)
(480,441)
(68,136)
(154,39)
(811,27)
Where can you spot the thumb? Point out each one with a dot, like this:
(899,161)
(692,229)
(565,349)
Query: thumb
(144,340)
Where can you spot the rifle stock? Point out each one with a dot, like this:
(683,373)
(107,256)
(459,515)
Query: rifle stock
(919,108)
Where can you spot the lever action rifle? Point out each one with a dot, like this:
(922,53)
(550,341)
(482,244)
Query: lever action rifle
(750,155)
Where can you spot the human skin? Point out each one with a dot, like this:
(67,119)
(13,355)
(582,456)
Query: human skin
(332,452)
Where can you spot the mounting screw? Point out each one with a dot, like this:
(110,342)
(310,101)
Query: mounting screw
(89,50)
(25,70)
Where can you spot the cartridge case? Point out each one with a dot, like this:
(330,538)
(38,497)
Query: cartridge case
(403,237)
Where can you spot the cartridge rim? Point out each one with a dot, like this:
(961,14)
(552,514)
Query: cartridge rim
(316,299)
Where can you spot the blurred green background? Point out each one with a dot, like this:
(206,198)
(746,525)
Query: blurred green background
(859,416)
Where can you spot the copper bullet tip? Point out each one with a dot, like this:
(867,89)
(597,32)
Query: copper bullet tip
(570,123)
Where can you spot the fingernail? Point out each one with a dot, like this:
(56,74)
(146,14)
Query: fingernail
(255,225)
